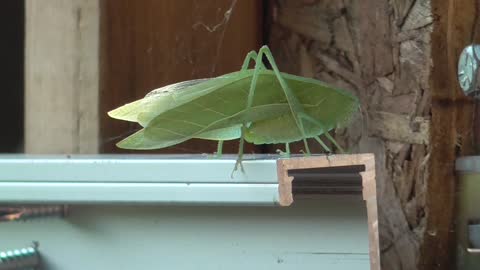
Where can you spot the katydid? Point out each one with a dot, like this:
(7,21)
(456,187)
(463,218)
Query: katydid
(257,105)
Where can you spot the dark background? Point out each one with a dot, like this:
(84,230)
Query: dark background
(12,21)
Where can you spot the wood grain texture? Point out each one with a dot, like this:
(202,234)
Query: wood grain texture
(400,128)
(149,44)
(61,76)
(452,118)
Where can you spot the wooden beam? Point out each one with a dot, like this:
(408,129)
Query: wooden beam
(451,126)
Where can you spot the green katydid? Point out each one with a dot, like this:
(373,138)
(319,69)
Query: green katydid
(255,105)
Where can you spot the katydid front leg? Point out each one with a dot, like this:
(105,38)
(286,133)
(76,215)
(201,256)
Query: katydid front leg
(325,147)
(285,154)
(219,149)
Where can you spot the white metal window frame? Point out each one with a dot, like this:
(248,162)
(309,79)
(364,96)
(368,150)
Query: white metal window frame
(143,179)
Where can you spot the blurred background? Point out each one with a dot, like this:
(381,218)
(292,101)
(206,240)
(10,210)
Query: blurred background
(12,23)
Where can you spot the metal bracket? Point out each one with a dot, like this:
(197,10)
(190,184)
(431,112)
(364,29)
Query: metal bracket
(469,71)
(473,237)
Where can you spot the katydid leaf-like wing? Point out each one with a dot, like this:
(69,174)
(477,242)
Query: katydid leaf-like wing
(131,111)
(177,128)
(221,134)
(329,106)
(155,106)
(214,111)
(162,99)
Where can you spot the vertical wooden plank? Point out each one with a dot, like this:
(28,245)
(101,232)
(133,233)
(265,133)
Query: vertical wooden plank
(61,76)
(451,132)
(149,44)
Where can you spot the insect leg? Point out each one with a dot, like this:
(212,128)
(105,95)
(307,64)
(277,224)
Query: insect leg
(251,56)
(219,148)
(318,123)
(240,151)
(317,138)
(334,142)
(285,154)
(287,149)
(295,105)
(258,66)
(307,149)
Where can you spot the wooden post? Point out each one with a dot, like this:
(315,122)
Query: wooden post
(452,126)
(61,76)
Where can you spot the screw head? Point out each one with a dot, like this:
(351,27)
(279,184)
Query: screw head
(468,68)
(3,256)
(17,253)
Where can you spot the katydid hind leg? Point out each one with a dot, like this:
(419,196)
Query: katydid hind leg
(334,142)
(238,162)
(319,124)
(324,146)
(307,148)
(295,105)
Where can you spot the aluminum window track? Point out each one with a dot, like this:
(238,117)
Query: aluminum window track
(168,179)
